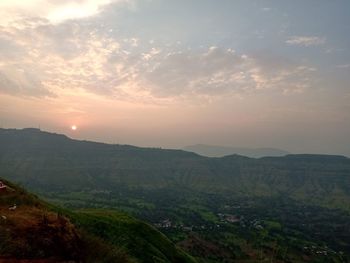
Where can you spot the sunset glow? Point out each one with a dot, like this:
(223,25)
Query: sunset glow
(115,67)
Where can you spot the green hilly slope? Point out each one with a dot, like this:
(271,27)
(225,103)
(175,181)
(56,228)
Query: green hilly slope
(32,229)
(142,241)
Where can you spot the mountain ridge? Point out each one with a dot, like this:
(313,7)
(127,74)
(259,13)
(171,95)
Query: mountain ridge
(37,131)
(42,160)
(221,151)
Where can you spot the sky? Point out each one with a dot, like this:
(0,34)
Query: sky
(171,73)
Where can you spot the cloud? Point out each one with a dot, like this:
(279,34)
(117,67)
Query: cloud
(343,66)
(39,58)
(211,71)
(220,72)
(20,83)
(306,41)
(55,11)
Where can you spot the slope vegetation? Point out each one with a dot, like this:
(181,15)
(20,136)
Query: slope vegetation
(31,229)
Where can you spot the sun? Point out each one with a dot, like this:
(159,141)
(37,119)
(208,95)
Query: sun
(74,127)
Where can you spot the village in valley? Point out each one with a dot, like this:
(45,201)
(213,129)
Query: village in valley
(223,219)
(244,221)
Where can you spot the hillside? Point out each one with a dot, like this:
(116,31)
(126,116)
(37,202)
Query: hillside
(31,229)
(294,208)
(221,151)
(48,163)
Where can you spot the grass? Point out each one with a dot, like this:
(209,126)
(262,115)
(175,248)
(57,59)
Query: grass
(137,237)
(87,235)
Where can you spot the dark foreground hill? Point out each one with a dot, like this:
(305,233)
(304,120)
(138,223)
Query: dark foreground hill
(33,230)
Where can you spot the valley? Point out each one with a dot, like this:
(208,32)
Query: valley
(231,209)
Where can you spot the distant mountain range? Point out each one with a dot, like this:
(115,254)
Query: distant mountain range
(220,151)
(53,162)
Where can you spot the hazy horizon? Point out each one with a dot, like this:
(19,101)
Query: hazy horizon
(238,148)
(169,74)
